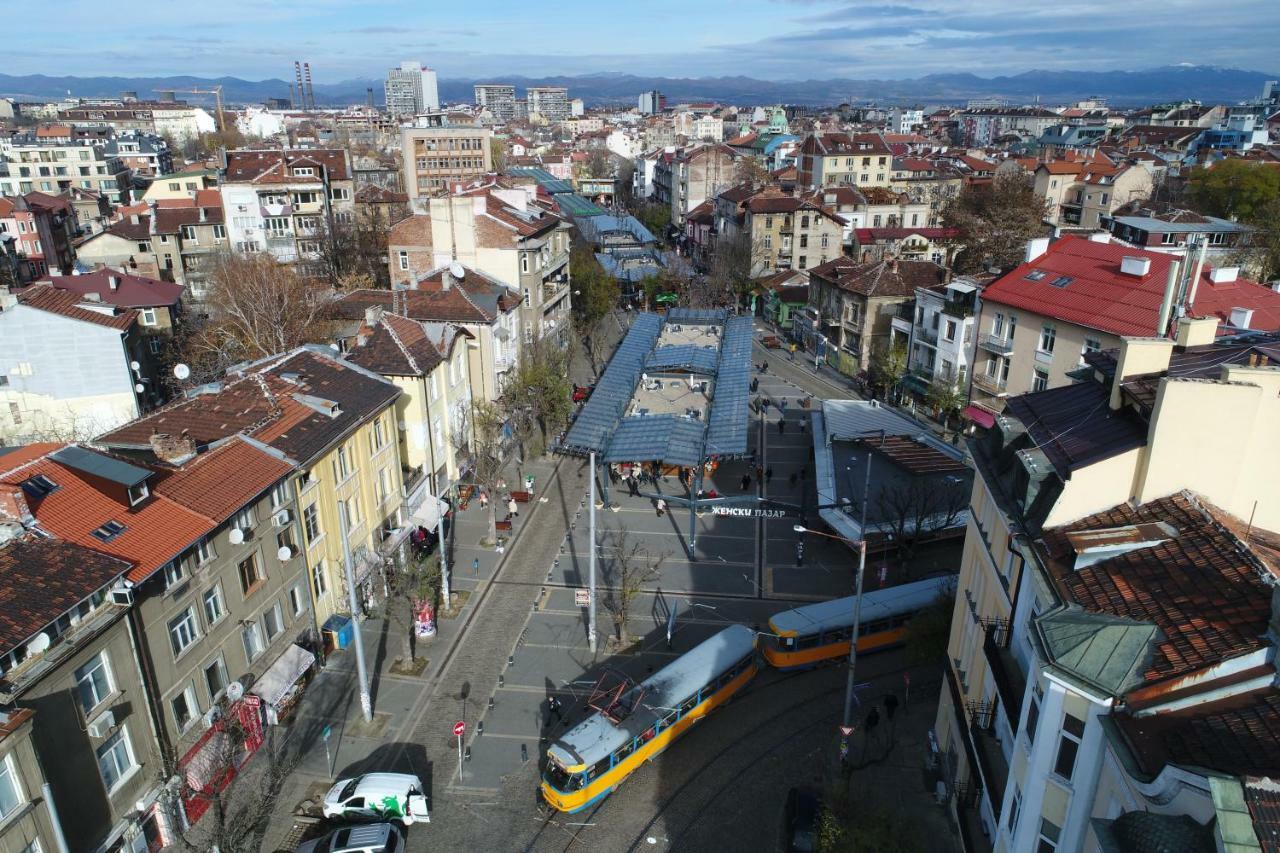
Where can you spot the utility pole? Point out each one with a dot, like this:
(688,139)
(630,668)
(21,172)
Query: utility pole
(591,577)
(857,595)
(366,702)
(444,555)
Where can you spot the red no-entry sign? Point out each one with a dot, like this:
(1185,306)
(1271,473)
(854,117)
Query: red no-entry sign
(459,727)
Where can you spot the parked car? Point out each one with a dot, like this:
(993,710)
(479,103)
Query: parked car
(378,796)
(367,838)
(800,822)
(582,392)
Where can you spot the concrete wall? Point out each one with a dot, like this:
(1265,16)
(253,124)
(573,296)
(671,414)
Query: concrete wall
(25,824)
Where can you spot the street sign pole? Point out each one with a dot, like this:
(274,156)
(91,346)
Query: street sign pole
(366,701)
(591,584)
(328,730)
(459,729)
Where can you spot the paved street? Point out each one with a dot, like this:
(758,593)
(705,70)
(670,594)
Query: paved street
(521,639)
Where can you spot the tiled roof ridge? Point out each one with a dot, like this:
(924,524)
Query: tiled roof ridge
(395,337)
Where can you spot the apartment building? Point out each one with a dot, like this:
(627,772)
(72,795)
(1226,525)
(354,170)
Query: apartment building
(436,157)
(72,689)
(689,176)
(93,211)
(856,303)
(43,229)
(145,155)
(411,89)
(54,165)
(938,332)
(1076,296)
(177,119)
(430,362)
(174,239)
(1178,232)
(285,201)
(1086,693)
(158,303)
(334,422)
(784,231)
(832,159)
(910,244)
(485,308)
(66,365)
(1084,194)
(498,98)
(979,127)
(550,102)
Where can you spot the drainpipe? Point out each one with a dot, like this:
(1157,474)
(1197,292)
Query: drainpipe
(47,790)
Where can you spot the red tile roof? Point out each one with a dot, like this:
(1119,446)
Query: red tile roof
(155,531)
(876,235)
(41,578)
(879,279)
(1099,296)
(264,166)
(1203,588)
(44,297)
(133,291)
(217,484)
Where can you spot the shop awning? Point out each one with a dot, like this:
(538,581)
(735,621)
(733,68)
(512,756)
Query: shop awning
(215,757)
(980,416)
(428,515)
(283,674)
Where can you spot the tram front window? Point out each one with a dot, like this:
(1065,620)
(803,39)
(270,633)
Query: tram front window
(561,779)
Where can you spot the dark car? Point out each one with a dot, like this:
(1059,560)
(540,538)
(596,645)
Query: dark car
(800,822)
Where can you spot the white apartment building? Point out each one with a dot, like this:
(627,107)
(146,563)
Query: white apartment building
(550,102)
(54,166)
(939,334)
(411,89)
(498,98)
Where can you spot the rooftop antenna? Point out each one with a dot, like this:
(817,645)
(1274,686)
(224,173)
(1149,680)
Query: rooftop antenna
(297,75)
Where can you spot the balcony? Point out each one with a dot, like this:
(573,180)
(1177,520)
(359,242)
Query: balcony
(957,309)
(992,764)
(997,345)
(927,336)
(991,384)
(1010,681)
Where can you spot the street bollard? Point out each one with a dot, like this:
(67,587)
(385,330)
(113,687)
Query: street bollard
(479,728)
(467,754)
(524,753)
(501,681)
(490,703)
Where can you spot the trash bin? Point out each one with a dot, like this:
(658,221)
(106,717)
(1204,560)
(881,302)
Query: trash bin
(338,632)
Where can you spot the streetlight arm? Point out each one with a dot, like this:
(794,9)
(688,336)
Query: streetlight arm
(801,529)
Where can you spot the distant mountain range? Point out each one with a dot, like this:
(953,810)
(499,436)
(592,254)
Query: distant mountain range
(1124,88)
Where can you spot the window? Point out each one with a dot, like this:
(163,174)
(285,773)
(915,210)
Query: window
(276,226)
(174,572)
(108,531)
(384,485)
(10,792)
(1047,841)
(804,241)
(404,260)
(273,620)
(204,551)
(250,574)
(875,221)
(115,759)
(280,494)
(214,609)
(768,222)
(950,331)
(244,519)
(185,708)
(1048,337)
(303,172)
(215,677)
(524,262)
(219,232)
(1068,745)
(148,316)
(251,636)
(342,464)
(305,198)
(1015,806)
(311,523)
(825,241)
(189,234)
(1033,713)
(1040,379)
(768,241)
(93,682)
(319,582)
(175,186)
(297,600)
(804,261)
(183,631)
(354,516)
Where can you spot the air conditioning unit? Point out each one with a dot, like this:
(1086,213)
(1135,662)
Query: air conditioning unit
(102,725)
(281,518)
(122,595)
(212,716)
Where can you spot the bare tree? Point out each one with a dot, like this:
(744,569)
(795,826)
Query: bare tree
(628,568)
(915,509)
(751,171)
(537,395)
(410,583)
(733,265)
(353,252)
(478,435)
(257,307)
(996,220)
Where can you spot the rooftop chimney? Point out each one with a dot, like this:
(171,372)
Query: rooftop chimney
(204,214)
(1240,317)
(372,315)
(151,207)
(173,449)
(135,219)
(1197,331)
(13,502)
(1135,266)
(1035,248)
(1222,275)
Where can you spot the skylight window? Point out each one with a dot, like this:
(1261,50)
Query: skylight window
(108,531)
(1036,275)
(1062,281)
(38,486)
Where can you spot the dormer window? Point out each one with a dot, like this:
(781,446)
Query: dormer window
(108,531)
(138,494)
(38,486)
(303,172)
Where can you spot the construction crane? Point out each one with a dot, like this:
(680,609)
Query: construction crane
(216,91)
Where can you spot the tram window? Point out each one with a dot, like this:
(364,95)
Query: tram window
(601,766)
(623,751)
(902,620)
(669,718)
(687,705)
(806,642)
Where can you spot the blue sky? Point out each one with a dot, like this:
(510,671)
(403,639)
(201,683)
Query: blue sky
(776,39)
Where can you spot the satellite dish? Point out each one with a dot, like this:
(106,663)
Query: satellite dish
(236,536)
(235,691)
(135,366)
(284,553)
(181,371)
(139,388)
(457,270)
(39,644)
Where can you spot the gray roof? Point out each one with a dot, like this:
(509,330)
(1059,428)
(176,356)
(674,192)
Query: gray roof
(1160,226)
(695,358)
(598,736)
(101,466)
(592,227)
(1108,651)
(671,438)
(727,424)
(879,604)
(853,419)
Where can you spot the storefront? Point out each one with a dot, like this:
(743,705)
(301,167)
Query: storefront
(211,765)
(280,687)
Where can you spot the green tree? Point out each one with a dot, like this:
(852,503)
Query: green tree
(888,367)
(655,217)
(1234,189)
(498,152)
(537,397)
(929,631)
(946,398)
(996,220)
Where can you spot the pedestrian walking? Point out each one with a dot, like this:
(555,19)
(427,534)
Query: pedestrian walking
(513,507)
(484,499)
(759,472)
(803,426)
(768,475)
(661,507)
(782,404)
(633,486)
(553,708)
(746,482)
(475,566)
(782,426)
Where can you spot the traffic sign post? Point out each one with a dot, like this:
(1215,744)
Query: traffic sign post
(581,597)
(459,729)
(328,731)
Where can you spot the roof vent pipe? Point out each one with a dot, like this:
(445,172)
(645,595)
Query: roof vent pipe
(1195,279)
(1166,305)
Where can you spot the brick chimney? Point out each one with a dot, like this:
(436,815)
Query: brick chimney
(174,449)
(13,503)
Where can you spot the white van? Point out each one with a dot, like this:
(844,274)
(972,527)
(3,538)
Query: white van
(378,796)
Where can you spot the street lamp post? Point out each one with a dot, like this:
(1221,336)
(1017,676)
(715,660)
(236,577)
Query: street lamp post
(591,588)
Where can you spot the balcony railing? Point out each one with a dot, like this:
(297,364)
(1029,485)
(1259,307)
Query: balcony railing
(999,345)
(957,309)
(927,336)
(991,761)
(1009,679)
(990,384)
